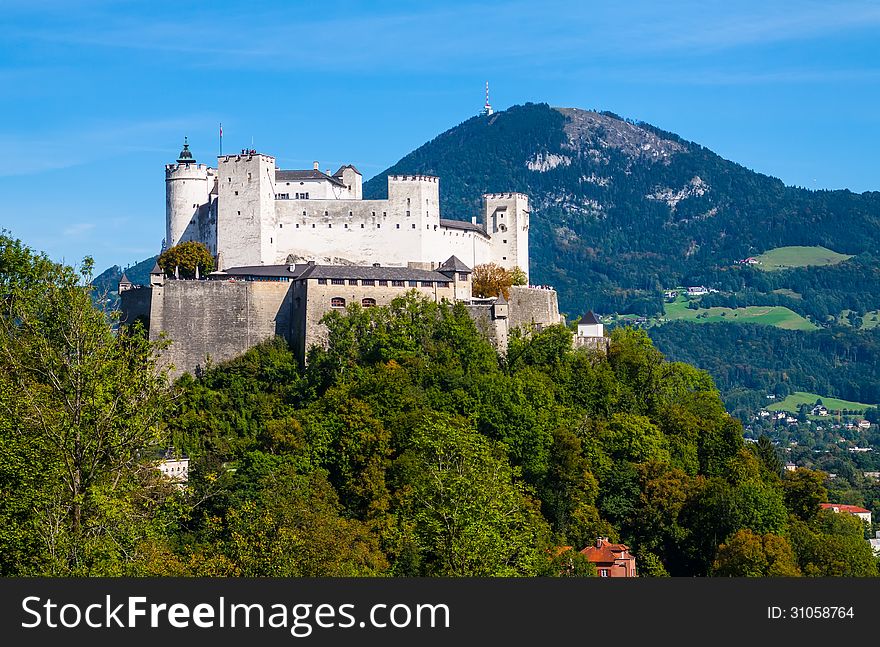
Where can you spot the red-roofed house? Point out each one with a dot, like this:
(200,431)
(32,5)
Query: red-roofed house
(611,560)
(858,511)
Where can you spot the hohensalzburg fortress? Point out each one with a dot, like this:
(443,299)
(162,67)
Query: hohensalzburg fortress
(293,245)
(249,212)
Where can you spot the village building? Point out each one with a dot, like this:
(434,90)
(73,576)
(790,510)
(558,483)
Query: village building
(611,560)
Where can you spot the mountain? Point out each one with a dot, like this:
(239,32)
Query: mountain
(622,210)
(107,282)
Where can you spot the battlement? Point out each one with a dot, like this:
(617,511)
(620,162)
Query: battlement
(504,196)
(413,178)
(248,156)
(186,166)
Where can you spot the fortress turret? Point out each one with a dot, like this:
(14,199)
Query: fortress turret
(187,191)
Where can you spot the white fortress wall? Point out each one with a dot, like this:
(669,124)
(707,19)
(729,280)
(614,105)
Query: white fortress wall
(357,231)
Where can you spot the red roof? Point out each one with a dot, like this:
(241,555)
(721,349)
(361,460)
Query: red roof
(604,552)
(842,507)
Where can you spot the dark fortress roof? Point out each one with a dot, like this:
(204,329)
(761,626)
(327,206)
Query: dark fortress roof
(589,318)
(455,264)
(461,224)
(371,272)
(308,174)
(306,271)
(290,271)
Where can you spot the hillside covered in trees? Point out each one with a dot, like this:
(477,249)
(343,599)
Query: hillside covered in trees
(622,209)
(406,447)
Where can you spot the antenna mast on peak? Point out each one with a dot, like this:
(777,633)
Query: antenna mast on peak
(487,109)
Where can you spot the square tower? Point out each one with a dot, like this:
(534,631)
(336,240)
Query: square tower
(246,209)
(506,219)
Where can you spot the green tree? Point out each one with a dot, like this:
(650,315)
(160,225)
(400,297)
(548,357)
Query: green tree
(185,257)
(747,554)
(804,490)
(832,545)
(88,400)
(765,450)
(518,276)
(461,506)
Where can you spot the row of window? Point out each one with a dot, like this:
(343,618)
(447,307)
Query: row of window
(394,283)
(339,302)
(286,196)
(378,225)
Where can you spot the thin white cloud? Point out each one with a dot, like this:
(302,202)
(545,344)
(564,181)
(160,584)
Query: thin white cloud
(78,229)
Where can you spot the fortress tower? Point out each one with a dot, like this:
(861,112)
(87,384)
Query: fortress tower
(245,222)
(506,221)
(188,187)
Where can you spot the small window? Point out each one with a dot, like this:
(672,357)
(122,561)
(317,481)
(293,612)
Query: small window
(383,283)
(270,240)
(504,241)
(462,276)
(326,214)
(374,214)
(398,284)
(368,302)
(329,225)
(313,225)
(407,213)
(442,284)
(427,284)
(337,281)
(349,214)
(414,225)
(503,258)
(352,281)
(362,225)
(322,281)
(280,225)
(397,225)
(346,225)
(413,284)
(384,213)
(236,193)
(337,302)
(297,225)
(378,226)
(239,213)
(368,282)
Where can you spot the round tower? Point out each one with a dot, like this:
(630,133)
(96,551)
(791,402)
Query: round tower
(186,191)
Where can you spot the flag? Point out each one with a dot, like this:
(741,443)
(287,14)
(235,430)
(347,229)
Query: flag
(221,130)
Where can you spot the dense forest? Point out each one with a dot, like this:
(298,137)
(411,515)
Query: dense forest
(748,361)
(408,446)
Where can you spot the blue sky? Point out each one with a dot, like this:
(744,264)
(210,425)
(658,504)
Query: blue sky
(96,95)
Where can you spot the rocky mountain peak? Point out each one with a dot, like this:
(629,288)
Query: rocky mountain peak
(589,132)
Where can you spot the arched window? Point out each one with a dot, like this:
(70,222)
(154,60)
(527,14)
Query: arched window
(368,302)
(337,302)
